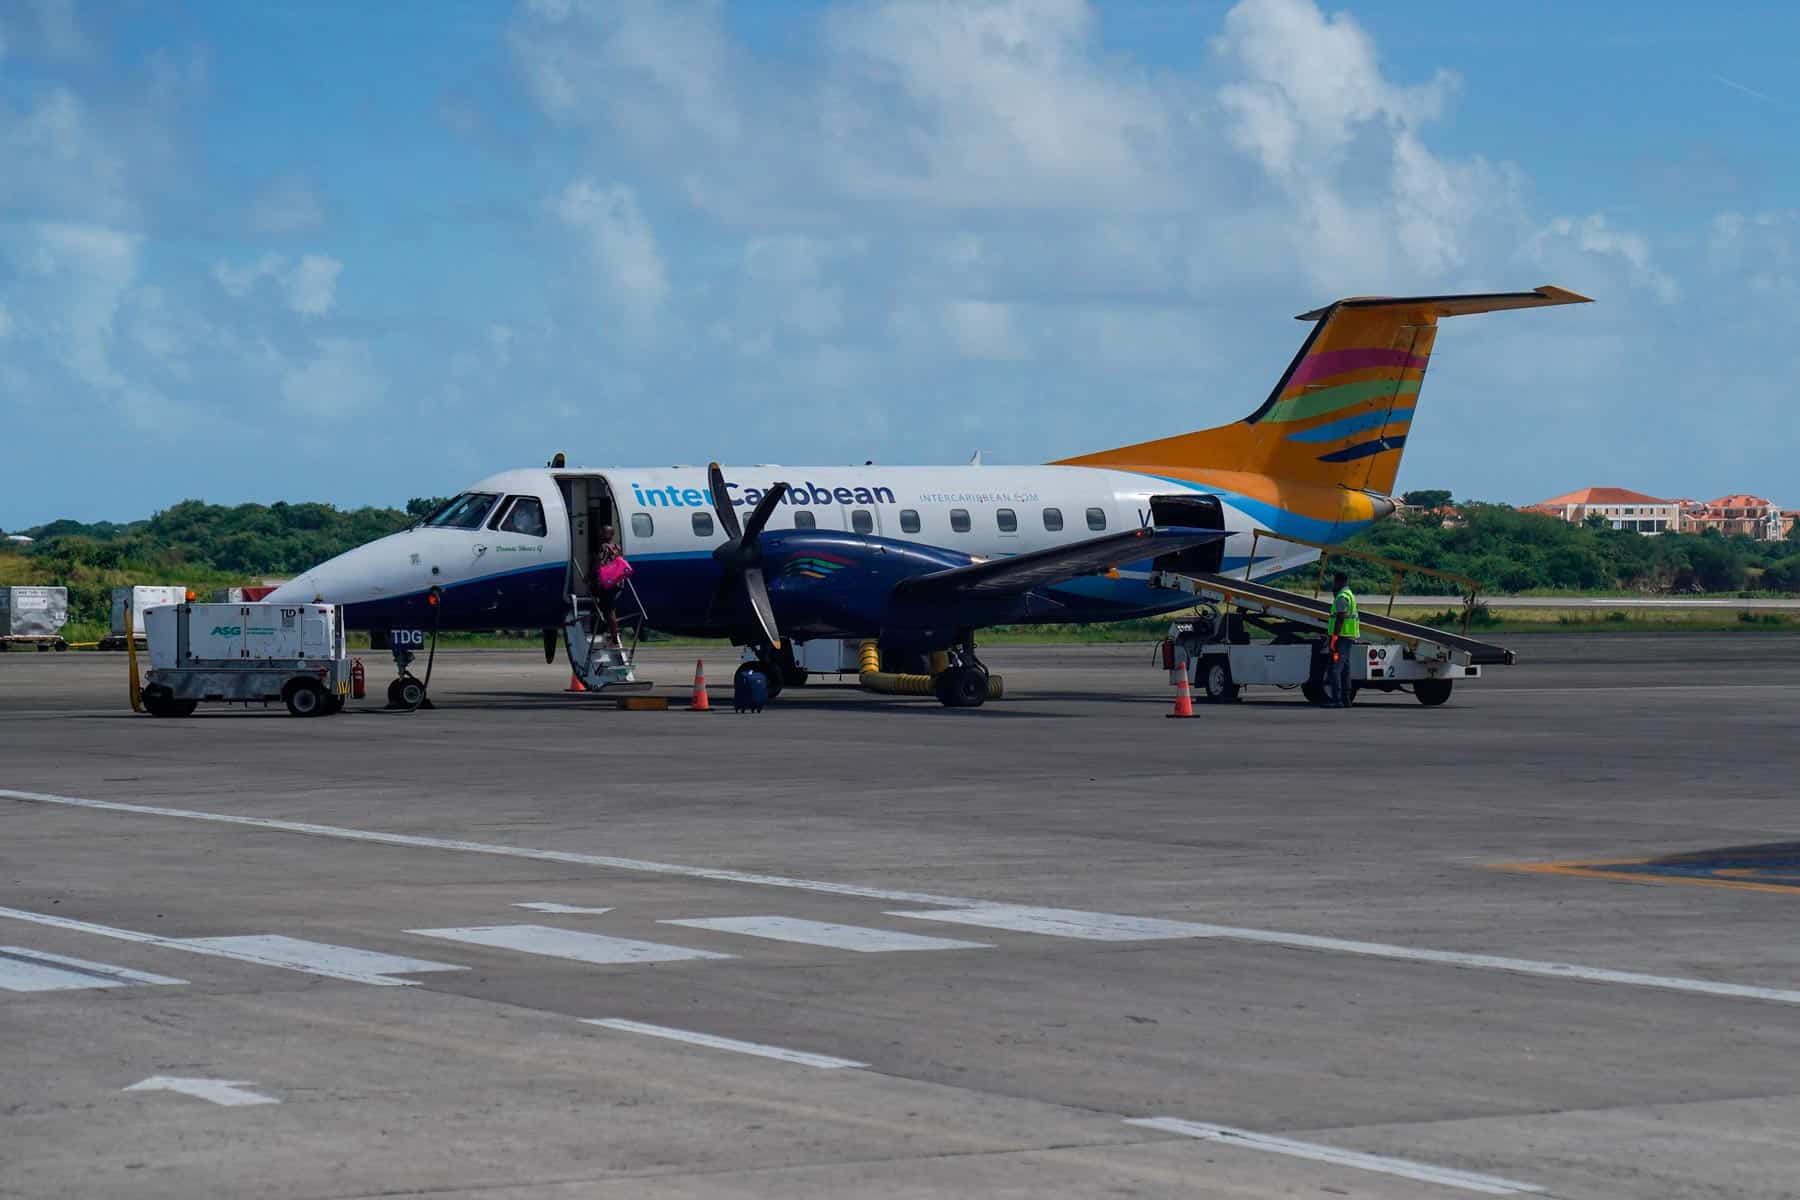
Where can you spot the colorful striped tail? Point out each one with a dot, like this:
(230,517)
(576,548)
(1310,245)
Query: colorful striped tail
(1340,414)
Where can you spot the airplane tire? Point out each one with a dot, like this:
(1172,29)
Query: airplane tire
(406,692)
(962,687)
(1432,692)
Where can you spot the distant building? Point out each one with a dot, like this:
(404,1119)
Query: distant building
(1447,516)
(1789,516)
(1737,515)
(18,537)
(1621,507)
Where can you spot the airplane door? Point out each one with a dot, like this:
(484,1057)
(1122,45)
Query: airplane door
(1191,511)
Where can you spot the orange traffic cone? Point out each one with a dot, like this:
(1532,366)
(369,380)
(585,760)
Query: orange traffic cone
(575,684)
(700,702)
(1184,699)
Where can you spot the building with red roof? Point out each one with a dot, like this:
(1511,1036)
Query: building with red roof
(1737,515)
(1622,508)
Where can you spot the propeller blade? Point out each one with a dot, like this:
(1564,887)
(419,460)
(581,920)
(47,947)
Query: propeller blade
(728,518)
(760,604)
(764,508)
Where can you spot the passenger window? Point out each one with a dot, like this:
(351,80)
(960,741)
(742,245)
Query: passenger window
(703,524)
(1008,519)
(642,525)
(959,520)
(1096,518)
(1053,519)
(804,520)
(526,516)
(909,520)
(862,521)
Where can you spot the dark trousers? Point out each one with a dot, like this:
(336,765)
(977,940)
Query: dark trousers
(1337,674)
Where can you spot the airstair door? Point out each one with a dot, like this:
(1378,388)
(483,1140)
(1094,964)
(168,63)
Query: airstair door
(1190,511)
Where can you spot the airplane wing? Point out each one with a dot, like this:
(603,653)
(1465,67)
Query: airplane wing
(1023,572)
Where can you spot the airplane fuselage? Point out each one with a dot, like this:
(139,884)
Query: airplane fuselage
(495,577)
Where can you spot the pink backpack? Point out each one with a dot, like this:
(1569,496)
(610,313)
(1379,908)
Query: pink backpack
(614,572)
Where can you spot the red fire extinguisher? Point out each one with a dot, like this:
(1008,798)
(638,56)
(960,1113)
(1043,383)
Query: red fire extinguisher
(1167,645)
(359,685)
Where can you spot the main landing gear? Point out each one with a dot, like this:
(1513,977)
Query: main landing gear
(964,682)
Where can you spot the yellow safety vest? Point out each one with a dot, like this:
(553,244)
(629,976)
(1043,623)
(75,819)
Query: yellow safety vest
(1350,627)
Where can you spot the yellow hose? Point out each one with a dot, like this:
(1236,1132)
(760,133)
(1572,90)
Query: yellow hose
(889,683)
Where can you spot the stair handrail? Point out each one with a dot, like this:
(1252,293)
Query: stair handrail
(1394,565)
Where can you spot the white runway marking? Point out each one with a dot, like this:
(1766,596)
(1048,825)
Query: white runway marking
(240,949)
(1066,922)
(823,933)
(23,970)
(1062,922)
(567,943)
(551,906)
(230,1093)
(1492,1185)
(340,962)
(1093,926)
(822,1061)
(430,843)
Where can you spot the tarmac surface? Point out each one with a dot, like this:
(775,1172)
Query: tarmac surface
(863,946)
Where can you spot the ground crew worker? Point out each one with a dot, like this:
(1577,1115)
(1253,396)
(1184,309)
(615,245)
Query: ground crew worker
(1345,629)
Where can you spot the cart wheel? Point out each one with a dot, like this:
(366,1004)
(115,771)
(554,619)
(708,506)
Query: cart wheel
(305,698)
(1432,692)
(1215,680)
(159,701)
(1314,692)
(334,705)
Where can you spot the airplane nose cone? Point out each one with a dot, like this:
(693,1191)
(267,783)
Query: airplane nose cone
(356,576)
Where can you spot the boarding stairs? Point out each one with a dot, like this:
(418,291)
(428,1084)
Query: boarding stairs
(593,657)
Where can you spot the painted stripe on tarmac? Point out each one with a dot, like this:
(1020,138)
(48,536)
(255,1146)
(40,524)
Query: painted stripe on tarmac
(1062,922)
(551,942)
(1094,922)
(25,970)
(551,906)
(225,948)
(430,843)
(323,957)
(1492,1185)
(823,1062)
(824,933)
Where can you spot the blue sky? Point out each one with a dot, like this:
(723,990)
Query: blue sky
(359,252)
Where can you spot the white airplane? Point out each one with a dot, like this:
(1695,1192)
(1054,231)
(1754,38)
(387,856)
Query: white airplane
(919,558)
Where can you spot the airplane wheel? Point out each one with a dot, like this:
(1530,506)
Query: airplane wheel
(405,692)
(1432,692)
(962,687)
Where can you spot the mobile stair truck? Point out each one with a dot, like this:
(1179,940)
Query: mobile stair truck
(1217,651)
(293,653)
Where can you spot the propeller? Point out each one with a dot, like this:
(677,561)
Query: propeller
(741,555)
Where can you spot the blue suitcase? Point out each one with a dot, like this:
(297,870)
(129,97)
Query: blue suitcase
(749,691)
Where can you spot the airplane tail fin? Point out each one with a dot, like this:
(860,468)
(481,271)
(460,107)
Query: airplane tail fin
(1340,413)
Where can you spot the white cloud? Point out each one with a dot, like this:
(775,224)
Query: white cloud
(619,241)
(984,329)
(59,35)
(1760,249)
(286,206)
(309,285)
(341,379)
(312,285)
(1592,239)
(79,276)
(501,337)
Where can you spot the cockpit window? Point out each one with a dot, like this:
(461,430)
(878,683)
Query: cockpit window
(526,516)
(464,512)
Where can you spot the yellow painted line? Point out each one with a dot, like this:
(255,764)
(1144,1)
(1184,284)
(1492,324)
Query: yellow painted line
(1584,871)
